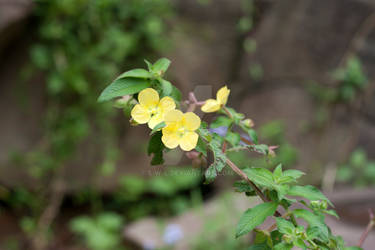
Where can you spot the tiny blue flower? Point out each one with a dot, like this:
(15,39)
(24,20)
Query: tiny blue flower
(172,234)
(222,131)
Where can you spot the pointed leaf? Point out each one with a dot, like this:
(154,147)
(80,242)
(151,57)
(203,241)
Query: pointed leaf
(123,86)
(255,216)
(161,65)
(308,192)
(136,73)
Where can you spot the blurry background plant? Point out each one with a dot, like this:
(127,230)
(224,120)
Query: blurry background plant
(102,232)
(358,171)
(79,46)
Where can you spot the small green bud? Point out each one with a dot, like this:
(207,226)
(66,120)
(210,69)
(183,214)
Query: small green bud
(248,123)
(315,204)
(287,238)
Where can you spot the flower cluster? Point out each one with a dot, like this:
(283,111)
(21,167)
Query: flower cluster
(179,128)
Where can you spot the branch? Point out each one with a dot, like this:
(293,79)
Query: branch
(369,227)
(252,184)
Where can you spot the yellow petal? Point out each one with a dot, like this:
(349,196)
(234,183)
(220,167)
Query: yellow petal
(169,138)
(149,98)
(155,120)
(189,141)
(211,105)
(222,95)
(191,121)
(140,114)
(173,116)
(166,104)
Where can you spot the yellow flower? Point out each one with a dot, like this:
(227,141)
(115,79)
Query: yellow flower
(180,130)
(213,105)
(150,110)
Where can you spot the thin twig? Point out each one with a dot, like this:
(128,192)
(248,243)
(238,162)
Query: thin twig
(192,103)
(57,194)
(369,227)
(252,184)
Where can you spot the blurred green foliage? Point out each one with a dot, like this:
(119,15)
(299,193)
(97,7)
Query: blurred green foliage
(359,170)
(78,46)
(166,193)
(351,81)
(101,232)
(274,133)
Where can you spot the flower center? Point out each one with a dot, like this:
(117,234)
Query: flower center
(154,111)
(181,131)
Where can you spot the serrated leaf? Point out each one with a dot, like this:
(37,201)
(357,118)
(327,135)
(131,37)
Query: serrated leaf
(123,86)
(219,157)
(295,174)
(136,73)
(314,221)
(313,233)
(210,174)
(260,176)
(284,226)
(242,186)
(201,146)
(255,216)
(309,192)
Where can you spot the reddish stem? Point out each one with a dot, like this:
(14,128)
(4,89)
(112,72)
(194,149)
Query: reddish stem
(369,227)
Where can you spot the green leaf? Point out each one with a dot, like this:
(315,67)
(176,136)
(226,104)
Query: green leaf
(176,94)
(295,174)
(253,135)
(210,174)
(166,87)
(157,128)
(232,138)
(255,216)
(221,121)
(123,86)
(260,246)
(284,226)
(161,66)
(242,186)
(156,146)
(314,221)
(261,148)
(308,192)
(219,157)
(332,212)
(260,176)
(201,146)
(136,73)
(283,246)
(278,172)
(313,233)
(149,65)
